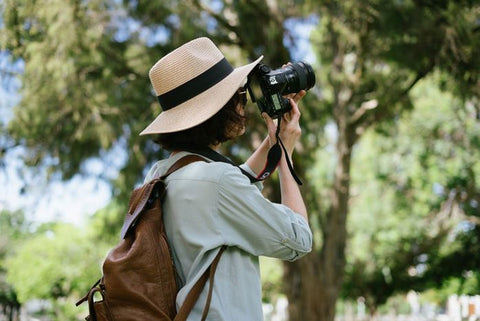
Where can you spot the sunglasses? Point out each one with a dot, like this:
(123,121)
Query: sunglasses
(242,94)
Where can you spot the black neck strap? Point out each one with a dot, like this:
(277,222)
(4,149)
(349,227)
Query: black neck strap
(273,158)
(217,157)
(195,86)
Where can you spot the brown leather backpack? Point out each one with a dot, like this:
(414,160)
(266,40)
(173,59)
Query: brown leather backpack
(139,280)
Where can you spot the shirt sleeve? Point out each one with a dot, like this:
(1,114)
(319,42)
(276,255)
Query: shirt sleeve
(248,220)
(247,168)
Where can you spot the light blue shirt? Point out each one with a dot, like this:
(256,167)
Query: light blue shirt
(210,204)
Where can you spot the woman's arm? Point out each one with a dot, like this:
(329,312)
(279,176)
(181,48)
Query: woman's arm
(290,132)
(257,160)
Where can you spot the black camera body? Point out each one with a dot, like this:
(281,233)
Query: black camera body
(274,84)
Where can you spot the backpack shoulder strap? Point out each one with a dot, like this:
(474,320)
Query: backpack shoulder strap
(184,161)
(154,188)
(196,290)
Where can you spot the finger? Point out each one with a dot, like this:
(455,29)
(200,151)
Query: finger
(299,95)
(270,122)
(272,128)
(295,112)
(296,96)
(288,117)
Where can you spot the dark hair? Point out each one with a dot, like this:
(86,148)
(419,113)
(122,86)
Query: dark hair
(215,130)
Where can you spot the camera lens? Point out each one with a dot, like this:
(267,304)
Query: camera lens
(300,76)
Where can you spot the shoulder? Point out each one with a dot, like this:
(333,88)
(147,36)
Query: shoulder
(217,172)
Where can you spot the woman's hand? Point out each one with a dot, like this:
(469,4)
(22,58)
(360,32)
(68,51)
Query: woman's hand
(290,130)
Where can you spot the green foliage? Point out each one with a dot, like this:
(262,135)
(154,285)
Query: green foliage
(372,54)
(468,284)
(410,226)
(82,84)
(85,85)
(85,90)
(58,263)
(106,223)
(13,228)
(272,272)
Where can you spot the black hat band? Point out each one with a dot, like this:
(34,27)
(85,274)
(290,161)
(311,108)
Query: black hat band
(195,86)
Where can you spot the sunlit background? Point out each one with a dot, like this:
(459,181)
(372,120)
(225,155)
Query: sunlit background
(389,152)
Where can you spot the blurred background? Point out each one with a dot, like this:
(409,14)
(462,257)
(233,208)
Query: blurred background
(389,154)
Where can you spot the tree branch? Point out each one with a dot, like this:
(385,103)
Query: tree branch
(358,119)
(9,73)
(364,107)
(220,19)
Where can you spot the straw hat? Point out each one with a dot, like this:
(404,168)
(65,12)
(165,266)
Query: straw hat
(192,84)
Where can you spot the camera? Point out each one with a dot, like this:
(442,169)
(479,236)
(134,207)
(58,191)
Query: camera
(267,86)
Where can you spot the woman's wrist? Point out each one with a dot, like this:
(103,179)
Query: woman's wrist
(282,165)
(257,160)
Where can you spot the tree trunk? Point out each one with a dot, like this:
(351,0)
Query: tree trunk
(313,283)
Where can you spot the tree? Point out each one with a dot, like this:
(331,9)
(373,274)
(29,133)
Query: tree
(411,183)
(13,228)
(85,76)
(373,53)
(85,88)
(59,264)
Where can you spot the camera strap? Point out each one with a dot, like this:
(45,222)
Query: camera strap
(217,157)
(273,158)
(277,146)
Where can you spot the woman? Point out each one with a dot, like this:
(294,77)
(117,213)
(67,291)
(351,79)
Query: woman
(211,204)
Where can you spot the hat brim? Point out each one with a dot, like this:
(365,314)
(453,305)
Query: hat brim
(201,107)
